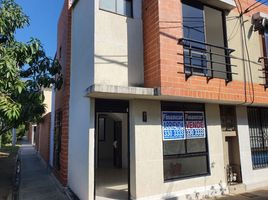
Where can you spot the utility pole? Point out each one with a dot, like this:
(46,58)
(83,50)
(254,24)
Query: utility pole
(14,137)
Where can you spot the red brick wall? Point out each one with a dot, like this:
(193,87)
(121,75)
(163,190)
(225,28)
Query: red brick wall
(43,143)
(151,43)
(165,24)
(62,96)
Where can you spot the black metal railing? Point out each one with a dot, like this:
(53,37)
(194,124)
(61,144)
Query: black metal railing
(258,132)
(264,70)
(205,59)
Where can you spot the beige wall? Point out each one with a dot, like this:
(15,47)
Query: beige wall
(254,47)
(48,99)
(147,181)
(118,48)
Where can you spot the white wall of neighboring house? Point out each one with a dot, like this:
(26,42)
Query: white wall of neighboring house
(81,127)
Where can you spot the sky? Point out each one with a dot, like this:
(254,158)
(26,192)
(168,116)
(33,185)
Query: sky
(44,16)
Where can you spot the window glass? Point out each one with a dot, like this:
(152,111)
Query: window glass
(185,167)
(193,21)
(193,28)
(109,5)
(124,7)
(184,140)
(196,145)
(174,147)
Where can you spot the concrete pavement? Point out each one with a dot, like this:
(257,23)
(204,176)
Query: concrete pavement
(36,180)
(261,194)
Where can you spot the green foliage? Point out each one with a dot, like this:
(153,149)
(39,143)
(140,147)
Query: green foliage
(24,71)
(21,131)
(7,138)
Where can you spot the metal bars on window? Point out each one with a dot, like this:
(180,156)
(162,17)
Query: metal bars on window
(264,70)
(205,59)
(258,129)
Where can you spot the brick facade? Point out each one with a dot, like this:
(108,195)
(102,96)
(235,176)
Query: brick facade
(62,96)
(43,137)
(162,55)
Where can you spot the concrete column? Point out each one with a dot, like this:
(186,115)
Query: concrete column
(146,157)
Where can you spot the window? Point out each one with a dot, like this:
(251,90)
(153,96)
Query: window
(204,41)
(258,130)
(184,140)
(121,7)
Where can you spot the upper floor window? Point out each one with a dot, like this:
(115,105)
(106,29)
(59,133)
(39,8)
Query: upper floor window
(121,7)
(204,41)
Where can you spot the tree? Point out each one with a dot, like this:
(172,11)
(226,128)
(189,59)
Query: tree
(24,71)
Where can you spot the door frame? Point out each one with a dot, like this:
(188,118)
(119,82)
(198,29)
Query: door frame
(111,106)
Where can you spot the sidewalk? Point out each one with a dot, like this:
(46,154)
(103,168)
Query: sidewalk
(36,181)
(261,194)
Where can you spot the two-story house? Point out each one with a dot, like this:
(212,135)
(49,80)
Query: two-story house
(163,98)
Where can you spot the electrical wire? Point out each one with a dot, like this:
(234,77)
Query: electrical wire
(248,10)
(249,63)
(244,44)
(252,5)
(234,31)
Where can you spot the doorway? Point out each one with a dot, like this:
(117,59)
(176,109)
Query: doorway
(231,145)
(111,151)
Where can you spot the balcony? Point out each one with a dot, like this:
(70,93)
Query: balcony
(203,59)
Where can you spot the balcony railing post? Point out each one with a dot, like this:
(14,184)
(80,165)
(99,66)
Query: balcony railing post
(211,63)
(190,56)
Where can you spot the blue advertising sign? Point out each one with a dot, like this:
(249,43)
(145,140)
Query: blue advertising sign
(195,125)
(173,125)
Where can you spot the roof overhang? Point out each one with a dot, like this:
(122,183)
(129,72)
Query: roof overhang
(222,4)
(130,93)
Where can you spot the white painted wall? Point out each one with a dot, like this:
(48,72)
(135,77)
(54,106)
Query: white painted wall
(252,178)
(81,113)
(147,181)
(119,47)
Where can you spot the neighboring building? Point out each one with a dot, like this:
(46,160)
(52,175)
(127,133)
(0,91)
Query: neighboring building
(161,98)
(39,134)
(60,110)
